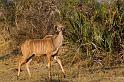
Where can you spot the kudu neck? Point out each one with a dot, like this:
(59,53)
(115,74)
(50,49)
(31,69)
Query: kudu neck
(58,40)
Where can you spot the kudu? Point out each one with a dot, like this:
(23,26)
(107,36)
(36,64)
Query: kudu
(49,46)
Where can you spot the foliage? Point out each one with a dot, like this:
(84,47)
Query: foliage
(95,26)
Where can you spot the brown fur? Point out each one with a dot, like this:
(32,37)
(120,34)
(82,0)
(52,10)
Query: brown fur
(49,45)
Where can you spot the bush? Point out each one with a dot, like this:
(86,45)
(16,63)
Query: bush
(95,27)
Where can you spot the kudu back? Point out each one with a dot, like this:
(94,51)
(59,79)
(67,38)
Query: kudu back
(49,45)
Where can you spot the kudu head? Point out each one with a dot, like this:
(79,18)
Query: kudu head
(59,27)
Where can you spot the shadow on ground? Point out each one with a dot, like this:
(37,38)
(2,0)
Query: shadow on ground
(103,69)
(9,55)
(53,80)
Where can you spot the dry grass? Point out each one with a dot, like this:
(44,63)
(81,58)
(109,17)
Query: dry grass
(75,73)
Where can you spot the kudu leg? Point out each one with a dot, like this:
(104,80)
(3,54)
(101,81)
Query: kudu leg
(49,65)
(19,67)
(27,67)
(24,61)
(60,63)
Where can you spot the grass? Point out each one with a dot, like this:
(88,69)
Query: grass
(75,73)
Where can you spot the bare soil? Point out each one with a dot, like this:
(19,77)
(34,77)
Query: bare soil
(39,71)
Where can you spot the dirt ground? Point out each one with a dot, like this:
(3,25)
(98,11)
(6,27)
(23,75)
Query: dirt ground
(39,71)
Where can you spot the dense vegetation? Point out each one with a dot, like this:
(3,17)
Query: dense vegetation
(94,30)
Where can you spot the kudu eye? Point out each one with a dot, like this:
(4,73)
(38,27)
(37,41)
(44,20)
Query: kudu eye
(62,28)
(55,27)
